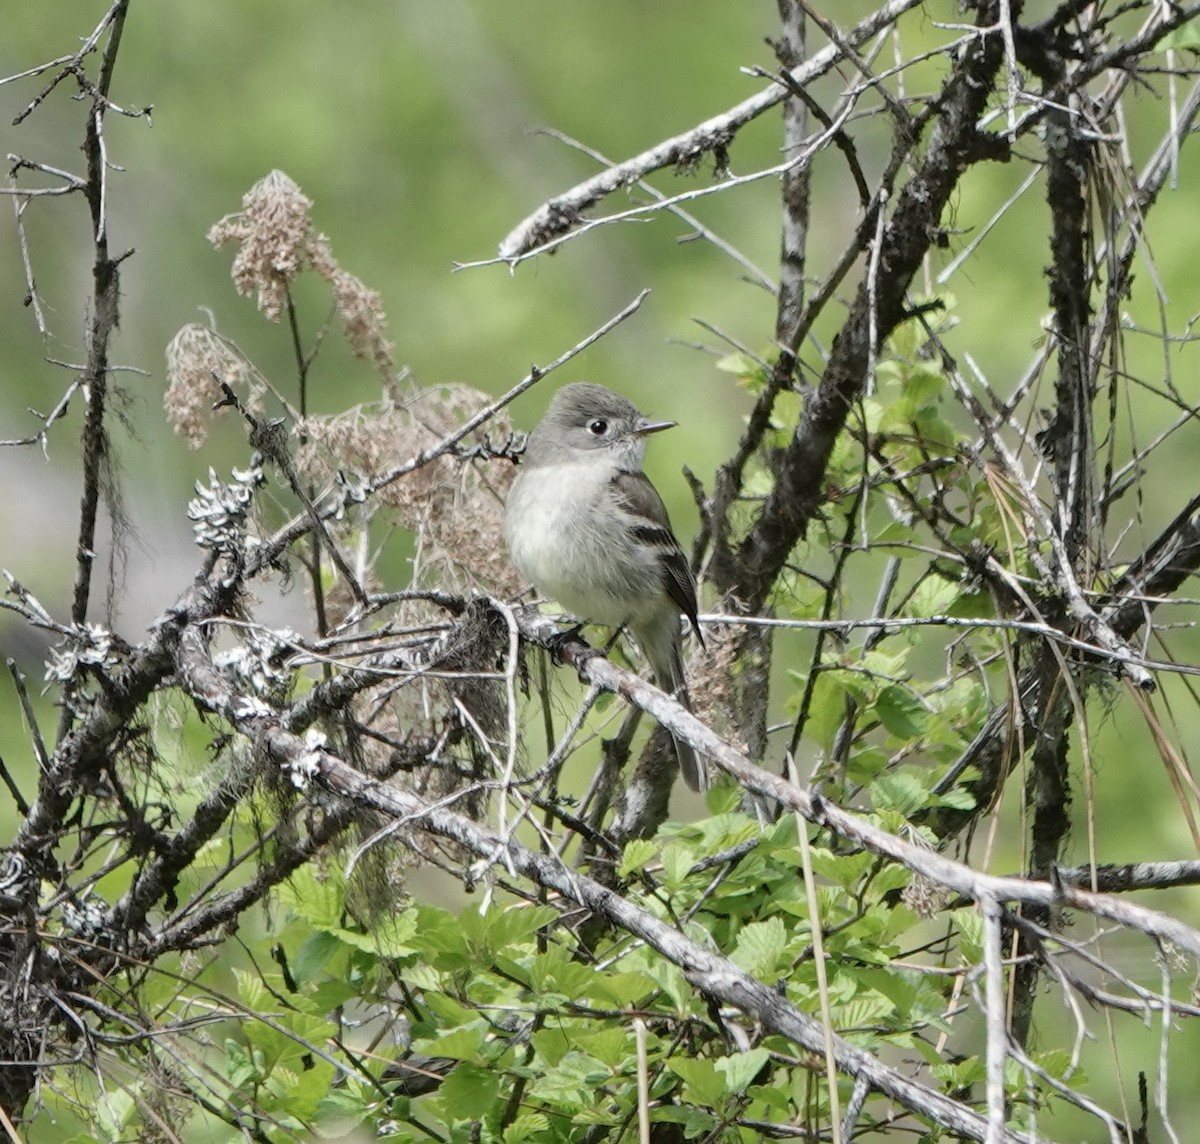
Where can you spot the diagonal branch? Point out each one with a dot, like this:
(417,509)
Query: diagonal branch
(565,211)
(594,668)
(707,971)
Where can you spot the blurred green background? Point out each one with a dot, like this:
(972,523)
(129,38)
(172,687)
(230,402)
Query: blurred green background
(412,127)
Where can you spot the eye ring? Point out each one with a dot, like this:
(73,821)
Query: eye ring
(597,427)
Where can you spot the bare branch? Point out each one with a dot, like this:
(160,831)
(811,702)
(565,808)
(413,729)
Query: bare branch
(565,211)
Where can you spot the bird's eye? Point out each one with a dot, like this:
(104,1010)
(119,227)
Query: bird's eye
(598,427)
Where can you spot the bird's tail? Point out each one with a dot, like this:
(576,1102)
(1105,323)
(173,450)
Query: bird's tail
(666,661)
(691,765)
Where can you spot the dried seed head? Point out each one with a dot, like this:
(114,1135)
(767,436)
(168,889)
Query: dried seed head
(276,236)
(454,505)
(198,360)
(363,320)
(277,241)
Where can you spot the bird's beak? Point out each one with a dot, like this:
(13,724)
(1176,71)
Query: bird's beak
(644,427)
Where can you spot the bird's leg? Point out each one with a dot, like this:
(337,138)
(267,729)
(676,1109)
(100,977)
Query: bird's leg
(558,642)
(612,640)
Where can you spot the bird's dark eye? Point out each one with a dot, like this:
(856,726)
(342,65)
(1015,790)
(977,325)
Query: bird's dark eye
(598,427)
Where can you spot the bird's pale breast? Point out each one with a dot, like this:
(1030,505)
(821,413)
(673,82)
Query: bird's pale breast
(573,543)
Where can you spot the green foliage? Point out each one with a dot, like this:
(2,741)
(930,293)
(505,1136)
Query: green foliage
(537,1034)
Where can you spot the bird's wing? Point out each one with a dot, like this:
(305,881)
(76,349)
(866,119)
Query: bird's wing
(637,496)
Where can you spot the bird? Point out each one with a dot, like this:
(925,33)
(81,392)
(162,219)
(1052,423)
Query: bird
(585,525)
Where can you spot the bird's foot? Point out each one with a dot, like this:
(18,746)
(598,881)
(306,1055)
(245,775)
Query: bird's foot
(558,642)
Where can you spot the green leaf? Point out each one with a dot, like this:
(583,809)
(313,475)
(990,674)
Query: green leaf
(961,1074)
(923,386)
(340,1111)
(901,713)
(865,1010)
(619,990)
(527,1126)
(287,1046)
(670,980)
(725,799)
(844,869)
(827,709)
(677,860)
(329,995)
(504,928)
(251,989)
(901,536)
(390,938)
(889,878)
(447,1010)
(741,1068)
(958,798)
(318,902)
(741,365)
(760,946)
(551,1044)
(440,936)
(933,596)
(899,988)
(314,955)
(1057,1063)
(888,664)
(872,412)
(556,974)
(867,764)
(611,1045)
(470,1092)
(571,1084)
(899,791)
(115,1110)
(393,936)
(239,1065)
(299,1091)
(638,854)
(937,434)
(463,1044)
(970,931)
(702,1083)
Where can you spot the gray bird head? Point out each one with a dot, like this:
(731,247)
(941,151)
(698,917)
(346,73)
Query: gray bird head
(584,419)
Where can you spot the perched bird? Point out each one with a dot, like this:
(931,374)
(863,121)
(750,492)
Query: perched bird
(586,526)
